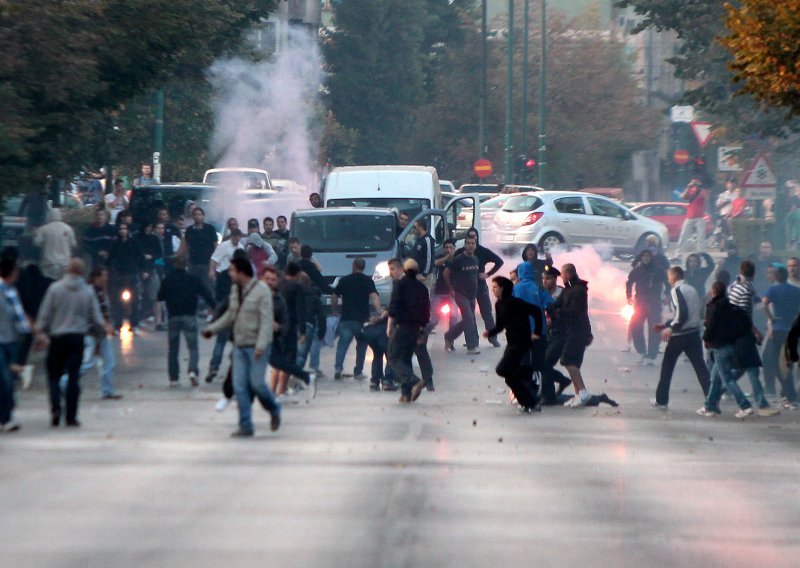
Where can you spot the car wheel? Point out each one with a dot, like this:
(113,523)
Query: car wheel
(641,244)
(550,241)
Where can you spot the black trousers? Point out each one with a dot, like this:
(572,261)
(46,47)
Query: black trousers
(284,358)
(375,338)
(64,356)
(401,351)
(690,344)
(550,375)
(515,367)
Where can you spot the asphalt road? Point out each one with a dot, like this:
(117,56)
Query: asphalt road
(354,479)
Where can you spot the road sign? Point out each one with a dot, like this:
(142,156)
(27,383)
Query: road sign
(727,160)
(680,157)
(702,131)
(759,181)
(682,113)
(482,168)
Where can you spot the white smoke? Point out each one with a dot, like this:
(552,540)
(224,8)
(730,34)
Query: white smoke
(606,281)
(264,118)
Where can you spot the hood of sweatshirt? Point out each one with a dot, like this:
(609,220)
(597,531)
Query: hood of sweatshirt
(525,272)
(73,282)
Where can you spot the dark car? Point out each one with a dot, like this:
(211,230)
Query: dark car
(178,198)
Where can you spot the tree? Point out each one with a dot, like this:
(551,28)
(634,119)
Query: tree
(765,42)
(61,84)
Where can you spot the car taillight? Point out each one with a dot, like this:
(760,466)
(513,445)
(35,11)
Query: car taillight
(462,217)
(532,218)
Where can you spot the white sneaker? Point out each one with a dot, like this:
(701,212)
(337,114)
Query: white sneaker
(654,403)
(745,412)
(312,384)
(626,349)
(641,360)
(703,411)
(222,404)
(193,379)
(650,362)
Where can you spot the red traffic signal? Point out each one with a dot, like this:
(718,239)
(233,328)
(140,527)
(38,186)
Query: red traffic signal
(530,163)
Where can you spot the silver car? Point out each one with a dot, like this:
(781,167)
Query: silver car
(552,218)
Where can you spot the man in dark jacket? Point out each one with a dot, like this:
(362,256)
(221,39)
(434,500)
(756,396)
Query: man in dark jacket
(482,297)
(125,267)
(514,315)
(181,290)
(375,336)
(572,308)
(724,324)
(409,312)
(650,282)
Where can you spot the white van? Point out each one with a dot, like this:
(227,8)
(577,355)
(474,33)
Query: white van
(239,178)
(408,189)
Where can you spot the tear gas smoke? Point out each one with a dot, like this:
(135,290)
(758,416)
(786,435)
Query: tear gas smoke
(264,118)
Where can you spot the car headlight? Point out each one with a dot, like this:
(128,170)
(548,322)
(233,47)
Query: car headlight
(381,271)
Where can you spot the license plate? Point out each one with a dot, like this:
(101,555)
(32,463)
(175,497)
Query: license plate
(505,238)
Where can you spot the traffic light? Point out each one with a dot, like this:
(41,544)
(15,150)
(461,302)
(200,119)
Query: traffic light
(530,167)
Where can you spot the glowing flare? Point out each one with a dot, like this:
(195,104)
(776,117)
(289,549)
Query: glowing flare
(627,312)
(445,310)
(126,296)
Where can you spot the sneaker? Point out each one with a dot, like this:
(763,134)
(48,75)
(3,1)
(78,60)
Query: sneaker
(337,376)
(473,351)
(650,362)
(73,424)
(789,405)
(579,402)
(494,342)
(655,404)
(703,411)
(312,384)
(641,360)
(27,376)
(626,349)
(416,390)
(768,411)
(449,346)
(222,404)
(242,433)
(429,387)
(359,376)
(193,379)
(319,373)
(161,327)
(389,386)
(745,412)
(174,384)
(374,387)
(10,426)
(275,422)
(212,374)
(112,396)
(404,399)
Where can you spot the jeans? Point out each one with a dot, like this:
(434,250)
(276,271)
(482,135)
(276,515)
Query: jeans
(188,326)
(375,337)
(219,349)
(437,301)
(310,346)
(248,381)
(109,362)
(759,397)
(467,325)
(7,355)
(722,373)
(550,375)
(484,300)
(349,329)
(401,350)
(118,285)
(651,312)
(690,344)
(693,227)
(772,354)
(64,355)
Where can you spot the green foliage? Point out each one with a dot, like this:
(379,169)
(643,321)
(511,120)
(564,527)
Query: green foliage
(69,67)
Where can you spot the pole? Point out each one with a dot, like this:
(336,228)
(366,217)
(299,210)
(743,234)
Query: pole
(543,103)
(158,135)
(509,150)
(484,95)
(523,143)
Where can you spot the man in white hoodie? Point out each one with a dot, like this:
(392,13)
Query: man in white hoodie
(57,241)
(69,312)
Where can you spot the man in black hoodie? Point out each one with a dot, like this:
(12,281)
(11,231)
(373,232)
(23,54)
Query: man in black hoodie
(409,312)
(572,309)
(650,282)
(125,266)
(514,316)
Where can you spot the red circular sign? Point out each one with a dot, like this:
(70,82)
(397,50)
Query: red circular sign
(680,157)
(482,168)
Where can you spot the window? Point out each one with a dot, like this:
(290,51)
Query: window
(402,204)
(572,205)
(605,208)
(339,233)
(674,210)
(521,203)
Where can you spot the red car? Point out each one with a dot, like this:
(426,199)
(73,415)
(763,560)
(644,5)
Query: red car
(672,214)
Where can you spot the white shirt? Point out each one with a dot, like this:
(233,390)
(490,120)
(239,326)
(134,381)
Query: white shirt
(115,204)
(57,240)
(224,253)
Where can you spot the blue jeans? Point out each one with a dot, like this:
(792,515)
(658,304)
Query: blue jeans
(759,396)
(467,325)
(248,381)
(7,354)
(309,347)
(721,373)
(109,362)
(219,349)
(188,326)
(349,329)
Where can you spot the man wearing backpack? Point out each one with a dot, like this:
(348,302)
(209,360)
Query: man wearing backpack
(725,324)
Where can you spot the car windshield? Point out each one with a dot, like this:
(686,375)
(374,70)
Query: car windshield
(345,233)
(179,201)
(402,204)
(238,180)
(519,203)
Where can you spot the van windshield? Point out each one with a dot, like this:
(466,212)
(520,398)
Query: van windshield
(402,204)
(237,180)
(345,233)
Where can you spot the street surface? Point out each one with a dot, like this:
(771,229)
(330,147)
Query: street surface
(353,479)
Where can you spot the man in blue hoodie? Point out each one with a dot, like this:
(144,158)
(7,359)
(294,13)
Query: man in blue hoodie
(528,289)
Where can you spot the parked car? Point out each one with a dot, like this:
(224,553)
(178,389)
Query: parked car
(447,186)
(464,219)
(672,214)
(552,218)
(493,188)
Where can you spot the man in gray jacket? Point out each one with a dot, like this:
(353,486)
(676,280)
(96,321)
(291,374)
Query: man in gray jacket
(69,311)
(250,315)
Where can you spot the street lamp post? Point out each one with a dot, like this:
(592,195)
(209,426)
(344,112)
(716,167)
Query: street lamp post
(523,143)
(509,150)
(482,104)
(543,102)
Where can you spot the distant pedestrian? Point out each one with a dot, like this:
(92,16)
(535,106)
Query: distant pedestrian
(250,314)
(572,309)
(97,238)
(260,252)
(13,322)
(376,337)
(126,268)
(57,241)
(682,334)
(441,291)
(146,177)
(200,240)
(116,201)
(423,252)
(485,258)
(96,346)
(698,269)
(514,316)
(181,291)
(650,283)
(461,276)
(782,304)
(694,226)
(69,312)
